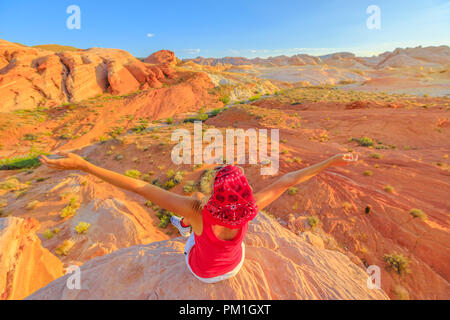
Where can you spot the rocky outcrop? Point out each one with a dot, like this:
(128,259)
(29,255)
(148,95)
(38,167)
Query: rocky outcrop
(278,265)
(162,57)
(25,265)
(31,77)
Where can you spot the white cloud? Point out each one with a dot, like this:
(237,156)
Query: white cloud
(191,51)
(150,35)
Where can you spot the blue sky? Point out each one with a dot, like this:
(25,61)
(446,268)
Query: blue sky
(214,28)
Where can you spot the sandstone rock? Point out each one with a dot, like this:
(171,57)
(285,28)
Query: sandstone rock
(278,265)
(31,77)
(120,79)
(312,239)
(25,265)
(162,57)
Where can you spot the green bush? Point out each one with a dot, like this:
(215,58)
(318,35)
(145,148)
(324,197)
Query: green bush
(417,213)
(71,208)
(376,156)
(365,141)
(82,227)
(29,161)
(313,221)
(225,99)
(397,262)
(133,174)
(292,191)
(64,248)
(164,217)
(189,187)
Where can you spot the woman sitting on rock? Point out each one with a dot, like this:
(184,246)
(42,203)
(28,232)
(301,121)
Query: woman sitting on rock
(215,250)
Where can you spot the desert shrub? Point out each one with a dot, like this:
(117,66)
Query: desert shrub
(169,120)
(225,99)
(10,184)
(368,209)
(389,189)
(199,117)
(48,234)
(376,156)
(133,173)
(71,208)
(64,248)
(189,187)
(31,205)
(206,181)
(145,177)
(364,141)
(118,157)
(417,213)
(255,97)
(313,221)
(215,112)
(29,137)
(292,191)
(169,185)
(170,173)
(368,173)
(82,227)
(148,204)
(178,177)
(29,161)
(397,262)
(164,217)
(143,124)
(115,132)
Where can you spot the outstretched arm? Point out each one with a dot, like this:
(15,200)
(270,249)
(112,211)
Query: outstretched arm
(275,190)
(181,205)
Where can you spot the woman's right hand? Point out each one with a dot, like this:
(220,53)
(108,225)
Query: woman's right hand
(70,162)
(341,160)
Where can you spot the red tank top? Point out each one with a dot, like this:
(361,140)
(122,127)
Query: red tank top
(210,256)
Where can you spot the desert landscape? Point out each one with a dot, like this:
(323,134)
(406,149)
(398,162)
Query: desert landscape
(390,209)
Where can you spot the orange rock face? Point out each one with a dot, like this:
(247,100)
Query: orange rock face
(32,77)
(25,265)
(162,57)
(278,265)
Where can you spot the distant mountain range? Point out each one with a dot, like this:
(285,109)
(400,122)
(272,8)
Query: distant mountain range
(419,56)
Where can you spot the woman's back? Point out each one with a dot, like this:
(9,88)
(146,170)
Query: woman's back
(216,254)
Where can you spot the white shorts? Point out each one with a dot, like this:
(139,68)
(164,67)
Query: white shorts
(187,249)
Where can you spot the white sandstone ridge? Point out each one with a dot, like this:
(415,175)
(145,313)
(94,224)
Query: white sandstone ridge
(278,265)
(25,265)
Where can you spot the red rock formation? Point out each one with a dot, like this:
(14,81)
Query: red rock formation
(30,77)
(165,57)
(25,265)
(278,265)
